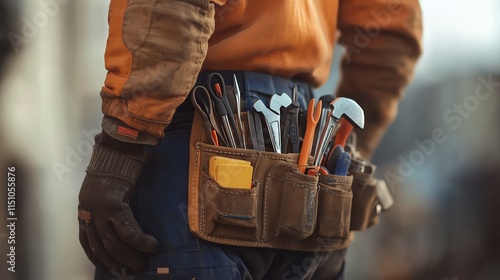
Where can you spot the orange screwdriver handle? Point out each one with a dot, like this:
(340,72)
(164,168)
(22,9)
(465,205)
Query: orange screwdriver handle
(215,139)
(313,116)
(343,132)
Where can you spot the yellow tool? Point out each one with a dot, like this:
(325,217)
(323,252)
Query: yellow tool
(231,173)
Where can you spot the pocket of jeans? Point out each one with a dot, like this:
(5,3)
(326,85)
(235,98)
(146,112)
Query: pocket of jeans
(334,206)
(290,204)
(229,213)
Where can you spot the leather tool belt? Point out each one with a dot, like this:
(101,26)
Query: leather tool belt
(284,208)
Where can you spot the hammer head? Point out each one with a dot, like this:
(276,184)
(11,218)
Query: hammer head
(350,110)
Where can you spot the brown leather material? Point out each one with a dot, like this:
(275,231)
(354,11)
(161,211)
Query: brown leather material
(335,199)
(364,213)
(285,209)
(290,204)
(229,213)
(154,53)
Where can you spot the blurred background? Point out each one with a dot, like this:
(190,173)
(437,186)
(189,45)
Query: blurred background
(444,225)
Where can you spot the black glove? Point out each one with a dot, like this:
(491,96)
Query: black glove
(109,233)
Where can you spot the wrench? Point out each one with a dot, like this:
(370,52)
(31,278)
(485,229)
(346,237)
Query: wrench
(273,124)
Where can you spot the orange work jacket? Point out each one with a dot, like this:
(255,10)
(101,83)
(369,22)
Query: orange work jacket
(155,50)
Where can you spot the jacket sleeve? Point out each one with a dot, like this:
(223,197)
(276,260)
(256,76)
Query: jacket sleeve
(154,52)
(382,39)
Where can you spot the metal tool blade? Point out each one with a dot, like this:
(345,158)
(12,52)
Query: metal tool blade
(253,133)
(238,110)
(273,124)
(261,146)
(290,130)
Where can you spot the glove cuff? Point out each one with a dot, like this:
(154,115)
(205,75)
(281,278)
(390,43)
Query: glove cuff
(132,149)
(112,163)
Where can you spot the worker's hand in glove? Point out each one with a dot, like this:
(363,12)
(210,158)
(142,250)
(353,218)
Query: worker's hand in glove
(109,233)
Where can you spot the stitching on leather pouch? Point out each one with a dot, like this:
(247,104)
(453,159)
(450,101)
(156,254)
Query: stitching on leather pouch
(338,182)
(231,192)
(228,153)
(334,192)
(258,242)
(245,154)
(213,237)
(205,181)
(304,186)
(196,174)
(233,214)
(265,197)
(308,179)
(277,177)
(228,239)
(293,183)
(203,209)
(265,205)
(212,184)
(224,190)
(259,201)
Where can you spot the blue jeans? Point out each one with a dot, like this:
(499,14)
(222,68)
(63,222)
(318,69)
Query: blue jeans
(160,206)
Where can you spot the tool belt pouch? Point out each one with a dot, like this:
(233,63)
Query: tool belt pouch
(364,204)
(284,208)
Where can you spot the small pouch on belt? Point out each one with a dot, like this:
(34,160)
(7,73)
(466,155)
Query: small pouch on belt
(333,215)
(364,203)
(335,202)
(290,204)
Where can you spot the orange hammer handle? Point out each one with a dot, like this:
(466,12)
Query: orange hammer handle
(343,132)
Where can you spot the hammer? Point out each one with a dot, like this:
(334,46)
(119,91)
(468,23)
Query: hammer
(342,108)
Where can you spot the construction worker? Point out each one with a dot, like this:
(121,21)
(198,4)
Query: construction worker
(132,203)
